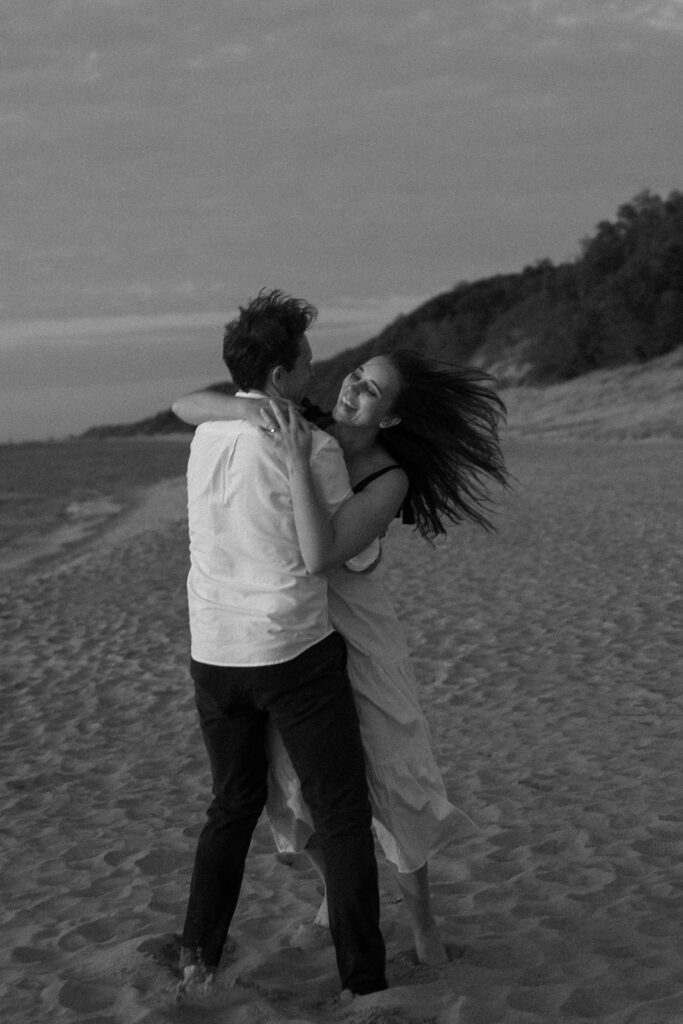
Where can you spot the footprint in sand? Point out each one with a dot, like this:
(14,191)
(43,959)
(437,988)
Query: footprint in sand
(33,955)
(86,997)
(293,973)
(161,862)
(90,933)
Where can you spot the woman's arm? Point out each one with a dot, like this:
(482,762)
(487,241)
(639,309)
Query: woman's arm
(203,406)
(325,542)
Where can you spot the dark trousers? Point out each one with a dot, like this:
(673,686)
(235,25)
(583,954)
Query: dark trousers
(309,700)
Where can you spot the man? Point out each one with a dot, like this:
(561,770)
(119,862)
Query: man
(262,646)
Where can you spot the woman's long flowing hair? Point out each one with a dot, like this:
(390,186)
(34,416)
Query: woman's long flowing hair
(447,441)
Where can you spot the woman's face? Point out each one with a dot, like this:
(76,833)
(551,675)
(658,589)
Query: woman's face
(368,394)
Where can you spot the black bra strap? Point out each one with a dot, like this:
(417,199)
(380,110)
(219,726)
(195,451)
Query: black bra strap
(362,484)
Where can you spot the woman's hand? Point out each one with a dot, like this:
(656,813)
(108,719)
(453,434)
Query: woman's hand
(290,432)
(259,414)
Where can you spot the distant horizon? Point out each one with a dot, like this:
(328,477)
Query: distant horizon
(365,156)
(72,399)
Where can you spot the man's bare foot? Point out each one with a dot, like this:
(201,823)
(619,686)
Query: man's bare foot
(197,980)
(429,947)
(196,976)
(347,996)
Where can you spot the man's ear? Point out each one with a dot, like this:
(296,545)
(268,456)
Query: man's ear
(389,421)
(275,378)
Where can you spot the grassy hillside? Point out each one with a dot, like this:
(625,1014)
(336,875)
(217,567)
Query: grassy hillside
(620,302)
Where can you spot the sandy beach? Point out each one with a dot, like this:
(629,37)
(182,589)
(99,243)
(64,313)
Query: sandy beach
(550,659)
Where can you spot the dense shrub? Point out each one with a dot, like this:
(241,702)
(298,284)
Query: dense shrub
(619,301)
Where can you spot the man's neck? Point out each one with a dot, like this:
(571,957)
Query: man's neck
(271,392)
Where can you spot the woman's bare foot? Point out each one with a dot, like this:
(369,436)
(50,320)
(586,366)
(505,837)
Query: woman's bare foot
(322,918)
(429,947)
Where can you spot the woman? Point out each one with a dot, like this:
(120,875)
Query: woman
(421,438)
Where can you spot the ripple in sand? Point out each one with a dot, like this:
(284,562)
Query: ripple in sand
(172,906)
(502,957)
(658,848)
(291,974)
(659,927)
(650,991)
(162,862)
(32,955)
(563,925)
(72,941)
(86,997)
(89,933)
(596,1001)
(662,1011)
(99,930)
(538,1001)
(478,1011)
(544,974)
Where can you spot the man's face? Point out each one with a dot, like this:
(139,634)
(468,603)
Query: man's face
(292,384)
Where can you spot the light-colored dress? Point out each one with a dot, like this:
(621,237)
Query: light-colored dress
(412,815)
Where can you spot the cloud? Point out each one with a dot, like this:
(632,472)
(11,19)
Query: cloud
(86,328)
(218,56)
(331,149)
(90,70)
(373,313)
(666,15)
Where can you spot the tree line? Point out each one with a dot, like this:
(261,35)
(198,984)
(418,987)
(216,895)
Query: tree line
(620,301)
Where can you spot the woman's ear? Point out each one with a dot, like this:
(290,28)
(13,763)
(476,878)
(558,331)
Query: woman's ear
(389,421)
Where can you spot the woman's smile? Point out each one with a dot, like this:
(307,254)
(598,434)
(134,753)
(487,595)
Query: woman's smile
(348,404)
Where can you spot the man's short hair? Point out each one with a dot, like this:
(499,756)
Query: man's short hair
(266,333)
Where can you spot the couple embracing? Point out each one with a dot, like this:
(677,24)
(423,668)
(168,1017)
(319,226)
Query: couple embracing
(306,697)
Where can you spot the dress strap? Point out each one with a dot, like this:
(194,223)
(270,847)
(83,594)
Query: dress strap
(362,484)
(405,512)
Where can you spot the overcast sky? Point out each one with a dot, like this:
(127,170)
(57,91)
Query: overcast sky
(164,159)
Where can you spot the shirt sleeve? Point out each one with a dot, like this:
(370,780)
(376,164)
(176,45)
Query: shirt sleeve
(329,473)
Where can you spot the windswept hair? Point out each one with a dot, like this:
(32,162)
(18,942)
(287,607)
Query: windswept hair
(447,441)
(266,333)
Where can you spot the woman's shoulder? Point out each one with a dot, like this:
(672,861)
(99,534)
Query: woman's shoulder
(381,468)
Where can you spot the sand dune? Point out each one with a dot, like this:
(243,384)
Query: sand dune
(630,402)
(550,661)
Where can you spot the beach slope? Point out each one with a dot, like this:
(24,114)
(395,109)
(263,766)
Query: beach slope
(550,663)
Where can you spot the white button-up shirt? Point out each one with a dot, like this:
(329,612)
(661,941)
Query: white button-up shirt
(251,600)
